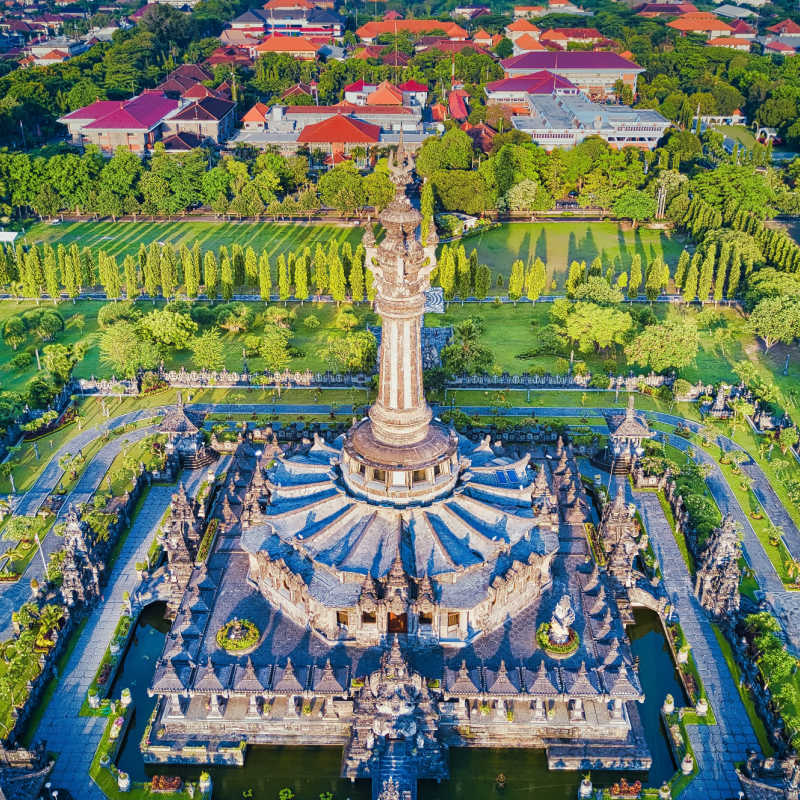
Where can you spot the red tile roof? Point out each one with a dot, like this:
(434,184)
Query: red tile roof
(258,113)
(208,109)
(787,26)
(728,41)
(140,113)
(340,129)
(415,26)
(456,104)
(412,86)
(779,47)
(286,44)
(542,82)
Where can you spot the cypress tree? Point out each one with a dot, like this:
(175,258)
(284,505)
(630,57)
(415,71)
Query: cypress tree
(74,261)
(574,278)
(169,271)
(238,265)
(250,267)
(210,274)
(226,277)
(320,271)
(5,272)
(535,280)
(284,283)
(131,282)
(264,276)
(706,275)
(356,276)
(463,277)
(369,284)
(734,274)
(338,282)
(190,277)
(516,280)
(196,264)
(690,279)
(635,280)
(447,274)
(88,277)
(300,280)
(51,274)
(152,270)
(112,284)
(680,270)
(426,208)
(721,272)
(596,267)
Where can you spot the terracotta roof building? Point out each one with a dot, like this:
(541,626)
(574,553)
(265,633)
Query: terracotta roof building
(210,119)
(370,31)
(522,27)
(730,42)
(527,44)
(297,47)
(702,23)
(785,28)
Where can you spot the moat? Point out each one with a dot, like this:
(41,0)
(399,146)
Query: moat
(311,771)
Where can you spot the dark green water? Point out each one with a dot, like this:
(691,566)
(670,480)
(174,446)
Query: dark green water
(311,771)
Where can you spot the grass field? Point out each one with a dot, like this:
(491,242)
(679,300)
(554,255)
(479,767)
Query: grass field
(559,243)
(556,243)
(121,238)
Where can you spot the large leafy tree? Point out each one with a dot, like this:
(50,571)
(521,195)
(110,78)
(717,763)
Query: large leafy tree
(776,319)
(342,188)
(671,344)
(125,350)
(592,327)
(208,350)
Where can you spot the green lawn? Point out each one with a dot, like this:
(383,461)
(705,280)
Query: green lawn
(556,243)
(739,133)
(121,238)
(559,243)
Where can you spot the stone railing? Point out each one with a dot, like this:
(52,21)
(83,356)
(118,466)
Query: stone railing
(642,481)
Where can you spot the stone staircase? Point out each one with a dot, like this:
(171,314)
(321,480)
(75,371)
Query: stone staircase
(397,772)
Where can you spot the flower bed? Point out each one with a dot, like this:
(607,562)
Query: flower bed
(238,634)
(207,541)
(48,423)
(565,649)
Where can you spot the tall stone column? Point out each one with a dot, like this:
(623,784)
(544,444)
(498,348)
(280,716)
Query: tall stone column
(401,267)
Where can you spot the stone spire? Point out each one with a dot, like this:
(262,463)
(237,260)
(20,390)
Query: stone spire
(402,267)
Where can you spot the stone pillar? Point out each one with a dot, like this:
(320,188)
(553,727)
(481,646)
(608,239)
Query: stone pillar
(175,710)
(252,708)
(215,712)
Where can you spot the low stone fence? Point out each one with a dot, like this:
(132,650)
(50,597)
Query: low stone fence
(226,379)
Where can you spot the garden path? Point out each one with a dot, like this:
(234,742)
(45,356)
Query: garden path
(46,483)
(13,595)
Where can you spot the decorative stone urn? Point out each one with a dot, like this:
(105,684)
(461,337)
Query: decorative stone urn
(204,784)
(683,655)
(123,781)
(702,706)
(669,704)
(687,764)
(94,700)
(125,698)
(585,789)
(664,793)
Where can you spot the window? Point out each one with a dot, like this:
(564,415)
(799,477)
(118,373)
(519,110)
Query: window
(379,475)
(342,618)
(425,618)
(453,619)
(367,618)
(419,475)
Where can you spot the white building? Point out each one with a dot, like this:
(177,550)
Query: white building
(567,119)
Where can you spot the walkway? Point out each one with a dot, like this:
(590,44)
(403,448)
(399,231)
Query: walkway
(73,737)
(13,595)
(718,747)
(46,483)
